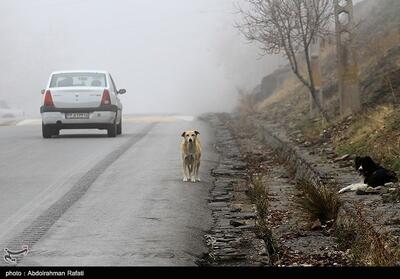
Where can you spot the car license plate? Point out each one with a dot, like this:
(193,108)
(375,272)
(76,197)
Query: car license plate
(77,115)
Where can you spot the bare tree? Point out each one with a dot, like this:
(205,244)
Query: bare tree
(289,27)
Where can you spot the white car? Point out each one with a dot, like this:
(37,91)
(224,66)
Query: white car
(81,100)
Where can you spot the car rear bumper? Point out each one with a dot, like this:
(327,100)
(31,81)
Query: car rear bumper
(65,126)
(99,118)
(112,108)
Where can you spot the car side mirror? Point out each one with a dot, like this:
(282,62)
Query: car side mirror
(122,91)
(42,91)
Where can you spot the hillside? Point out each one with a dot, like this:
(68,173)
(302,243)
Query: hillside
(375,130)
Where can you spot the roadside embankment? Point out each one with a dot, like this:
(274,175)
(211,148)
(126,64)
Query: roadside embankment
(367,225)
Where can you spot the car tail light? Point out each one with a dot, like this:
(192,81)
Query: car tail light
(48,99)
(106,100)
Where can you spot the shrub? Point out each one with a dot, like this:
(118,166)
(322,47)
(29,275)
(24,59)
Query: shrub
(318,202)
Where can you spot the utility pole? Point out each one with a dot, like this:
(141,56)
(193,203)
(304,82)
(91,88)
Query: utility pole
(348,75)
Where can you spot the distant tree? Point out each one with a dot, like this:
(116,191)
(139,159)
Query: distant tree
(288,27)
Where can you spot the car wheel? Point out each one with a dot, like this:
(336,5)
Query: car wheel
(56,132)
(46,131)
(119,127)
(112,131)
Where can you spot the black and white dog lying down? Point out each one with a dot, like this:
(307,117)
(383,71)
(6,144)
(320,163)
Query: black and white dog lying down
(374,175)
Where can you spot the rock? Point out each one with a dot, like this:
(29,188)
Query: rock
(331,156)
(307,144)
(236,223)
(329,151)
(368,191)
(345,164)
(343,158)
(218,204)
(246,215)
(250,227)
(384,191)
(316,226)
(386,198)
(225,198)
(240,166)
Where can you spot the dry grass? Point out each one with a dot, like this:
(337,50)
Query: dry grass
(311,128)
(374,51)
(318,202)
(374,133)
(283,92)
(369,123)
(245,109)
(365,244)
(259,196)
(246,104)
(290,102)
(392,197)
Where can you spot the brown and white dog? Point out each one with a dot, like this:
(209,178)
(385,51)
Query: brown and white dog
(191,154)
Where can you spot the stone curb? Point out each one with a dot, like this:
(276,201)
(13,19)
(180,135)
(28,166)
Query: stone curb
(313,169)
(231,240)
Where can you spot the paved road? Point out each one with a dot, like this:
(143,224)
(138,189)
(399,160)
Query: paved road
(85,199)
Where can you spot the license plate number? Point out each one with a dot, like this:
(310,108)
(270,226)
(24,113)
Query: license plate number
(77,115)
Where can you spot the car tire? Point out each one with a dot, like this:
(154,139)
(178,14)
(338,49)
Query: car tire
(46,131)
(119,127)
(112,131)
(56,132)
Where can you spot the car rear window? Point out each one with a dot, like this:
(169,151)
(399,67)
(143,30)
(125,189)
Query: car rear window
(78,80)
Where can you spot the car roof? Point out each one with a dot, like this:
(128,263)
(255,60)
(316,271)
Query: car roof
(79,71)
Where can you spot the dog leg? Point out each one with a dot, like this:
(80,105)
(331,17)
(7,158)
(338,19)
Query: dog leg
(185,172)
(344,190)
(191,172)
(353,188)
(197,171)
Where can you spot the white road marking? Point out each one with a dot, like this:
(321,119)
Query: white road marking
(29,122)
(188,118)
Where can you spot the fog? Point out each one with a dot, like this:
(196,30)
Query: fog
(174,56)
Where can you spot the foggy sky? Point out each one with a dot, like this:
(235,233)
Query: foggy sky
(172,56)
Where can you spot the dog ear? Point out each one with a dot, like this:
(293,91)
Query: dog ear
(197,133)
(357,162)
(183,134)
(368,164)
(369,161)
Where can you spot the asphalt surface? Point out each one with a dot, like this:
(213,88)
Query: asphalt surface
(84,199)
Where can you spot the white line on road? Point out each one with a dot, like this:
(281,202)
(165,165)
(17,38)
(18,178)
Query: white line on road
(29,122)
